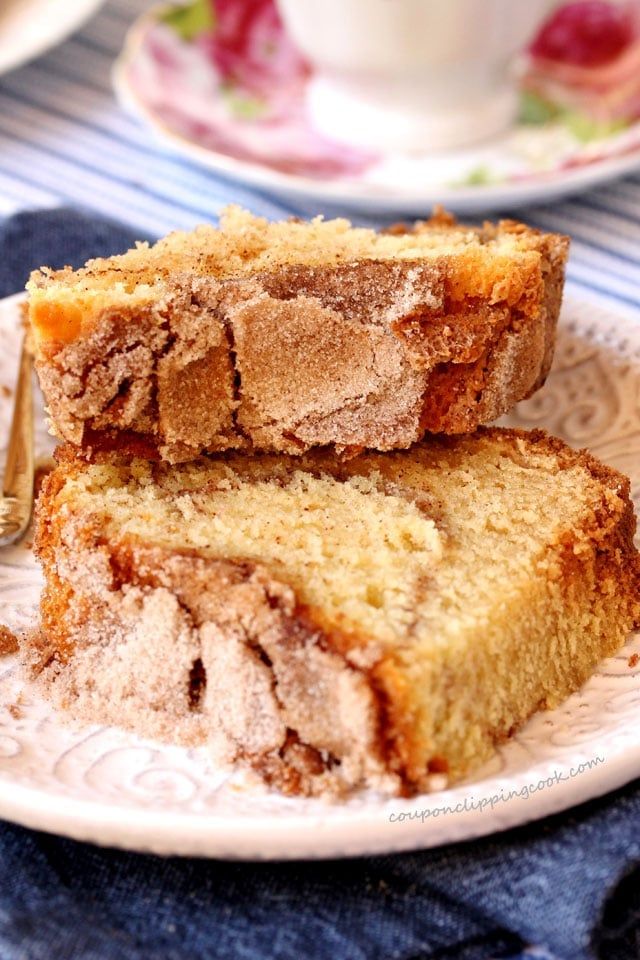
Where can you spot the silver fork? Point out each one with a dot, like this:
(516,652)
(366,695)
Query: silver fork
(17,486)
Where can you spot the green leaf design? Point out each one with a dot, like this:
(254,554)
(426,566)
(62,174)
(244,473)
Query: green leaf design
(242,105)
(585,128)
(190,20)
(479,176)
(534,109)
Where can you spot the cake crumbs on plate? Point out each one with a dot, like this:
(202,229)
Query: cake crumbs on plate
(8,641)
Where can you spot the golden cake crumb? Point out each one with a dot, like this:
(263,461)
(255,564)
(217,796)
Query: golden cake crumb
(8,641)
(382,621)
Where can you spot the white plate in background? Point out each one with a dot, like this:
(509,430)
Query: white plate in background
(29,27)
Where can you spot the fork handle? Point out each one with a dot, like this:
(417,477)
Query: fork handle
(17,486)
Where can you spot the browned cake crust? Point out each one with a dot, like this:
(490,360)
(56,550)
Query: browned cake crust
(221,648)
(368,353)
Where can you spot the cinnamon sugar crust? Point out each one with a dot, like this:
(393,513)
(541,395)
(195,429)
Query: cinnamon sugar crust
(252,602)
(282,337)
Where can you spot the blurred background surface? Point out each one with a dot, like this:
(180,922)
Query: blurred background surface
(66,140)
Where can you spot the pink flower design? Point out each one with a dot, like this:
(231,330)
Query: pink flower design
(250,48)
(586,60)
(237,87)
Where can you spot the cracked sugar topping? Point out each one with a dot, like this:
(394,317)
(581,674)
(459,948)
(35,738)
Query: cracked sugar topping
(245,245)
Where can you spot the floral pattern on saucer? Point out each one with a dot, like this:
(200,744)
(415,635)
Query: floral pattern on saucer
(232,82)
(222,81)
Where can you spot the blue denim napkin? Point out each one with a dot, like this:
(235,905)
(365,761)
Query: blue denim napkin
(566,888)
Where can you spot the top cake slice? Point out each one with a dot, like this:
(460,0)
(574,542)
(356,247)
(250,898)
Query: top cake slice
(284,336)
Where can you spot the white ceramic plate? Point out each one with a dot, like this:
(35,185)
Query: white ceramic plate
(266,138)
(110,787)
(29,27)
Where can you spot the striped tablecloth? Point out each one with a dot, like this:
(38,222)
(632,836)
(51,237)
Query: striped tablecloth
(64,140)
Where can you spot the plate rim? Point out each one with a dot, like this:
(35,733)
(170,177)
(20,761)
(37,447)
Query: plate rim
(264,837)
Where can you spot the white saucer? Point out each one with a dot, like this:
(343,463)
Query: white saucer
(29,27)
(110,787)
(267,139)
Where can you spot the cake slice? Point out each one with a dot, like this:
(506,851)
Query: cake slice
(284,336)
(335,624)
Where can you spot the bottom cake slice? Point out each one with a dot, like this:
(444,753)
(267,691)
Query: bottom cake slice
(335,624)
